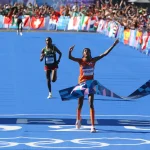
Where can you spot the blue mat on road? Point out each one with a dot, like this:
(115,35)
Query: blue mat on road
(28,120)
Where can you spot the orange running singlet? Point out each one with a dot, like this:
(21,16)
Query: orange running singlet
(86,71)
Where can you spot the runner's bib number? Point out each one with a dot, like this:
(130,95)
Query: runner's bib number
(88,72)
(49,60)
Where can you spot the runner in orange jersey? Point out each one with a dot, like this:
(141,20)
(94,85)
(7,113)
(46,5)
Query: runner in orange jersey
(87,66)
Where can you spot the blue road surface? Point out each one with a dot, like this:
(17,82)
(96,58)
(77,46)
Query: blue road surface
(30,121)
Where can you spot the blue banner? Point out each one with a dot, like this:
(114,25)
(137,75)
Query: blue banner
(63,22)
(94,87)
(1,21)
(121,34)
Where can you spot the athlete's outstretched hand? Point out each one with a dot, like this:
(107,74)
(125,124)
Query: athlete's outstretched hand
(116,42)
(71,48)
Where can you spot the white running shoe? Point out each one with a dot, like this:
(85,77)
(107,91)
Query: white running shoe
(78,124)
(50,95)
(93,130)
(21,33)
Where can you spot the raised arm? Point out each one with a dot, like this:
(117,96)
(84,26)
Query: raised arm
(70,55)
(106,52)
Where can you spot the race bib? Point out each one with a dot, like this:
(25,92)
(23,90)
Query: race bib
(49,60)
(88,72)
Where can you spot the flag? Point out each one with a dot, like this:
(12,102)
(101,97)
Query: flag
(91,23)
(101,25)
(7,22)
(147,51)
(84,23)
(144,40)
(138,39)
(37,23)
(126,36)
(53,22)
(26,21)
(132,38)
(62,22)
(74,23)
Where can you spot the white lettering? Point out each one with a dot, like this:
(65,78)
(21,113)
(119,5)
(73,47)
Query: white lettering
(49,60)
(71,143)
(88,72)
(9,128)
(51,121)
(136,128)
(22,121)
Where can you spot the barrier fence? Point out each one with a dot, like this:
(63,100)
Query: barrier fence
(137,39)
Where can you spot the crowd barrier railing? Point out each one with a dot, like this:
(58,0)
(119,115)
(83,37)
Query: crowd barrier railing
(137,39)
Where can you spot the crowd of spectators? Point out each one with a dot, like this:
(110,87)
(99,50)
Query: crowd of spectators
(127,14)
